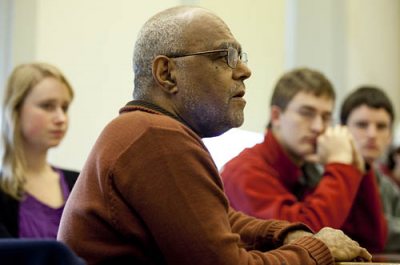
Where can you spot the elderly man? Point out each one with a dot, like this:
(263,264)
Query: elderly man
(150,192)
(369,115)
(279,178)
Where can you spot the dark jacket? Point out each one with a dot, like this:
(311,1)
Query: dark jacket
(9,208)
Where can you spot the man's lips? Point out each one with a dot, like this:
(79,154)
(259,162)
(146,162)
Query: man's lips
(238,97)
(310,140)
(240,94)
(371,146)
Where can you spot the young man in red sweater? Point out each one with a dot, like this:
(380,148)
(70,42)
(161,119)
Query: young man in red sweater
(280,177)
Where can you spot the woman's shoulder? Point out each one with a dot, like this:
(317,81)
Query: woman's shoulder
(70,176)
(69,173)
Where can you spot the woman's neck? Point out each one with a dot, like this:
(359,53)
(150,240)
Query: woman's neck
(36,162)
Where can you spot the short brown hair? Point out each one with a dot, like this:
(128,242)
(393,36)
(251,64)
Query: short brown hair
(301,80)
(371,96)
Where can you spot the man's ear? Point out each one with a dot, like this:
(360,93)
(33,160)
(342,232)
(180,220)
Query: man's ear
(164,73)
(275,115)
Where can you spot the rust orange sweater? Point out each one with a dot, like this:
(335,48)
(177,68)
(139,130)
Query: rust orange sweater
(150,194)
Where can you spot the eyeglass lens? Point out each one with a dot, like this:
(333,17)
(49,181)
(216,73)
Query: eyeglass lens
(234,57)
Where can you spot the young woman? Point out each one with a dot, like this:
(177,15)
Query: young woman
(34,119)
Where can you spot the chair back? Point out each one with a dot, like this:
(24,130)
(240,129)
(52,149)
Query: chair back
(36,252)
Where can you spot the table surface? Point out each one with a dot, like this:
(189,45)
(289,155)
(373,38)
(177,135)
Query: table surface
(386,258)
(366,263)
(382,259)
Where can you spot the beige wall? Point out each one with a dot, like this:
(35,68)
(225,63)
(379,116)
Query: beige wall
(373,45)
(317,38)
(92,42)
(5,41)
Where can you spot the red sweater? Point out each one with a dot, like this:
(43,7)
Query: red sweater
(261,182)
(150,194)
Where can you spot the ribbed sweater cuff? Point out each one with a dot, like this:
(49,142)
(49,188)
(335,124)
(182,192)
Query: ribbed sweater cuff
(281,231)
(317,249)
(274,230)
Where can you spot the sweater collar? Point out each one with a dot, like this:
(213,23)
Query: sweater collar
(151,108)
(293,176)
(276,156)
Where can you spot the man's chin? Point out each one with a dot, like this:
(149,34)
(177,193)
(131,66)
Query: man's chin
(370,159)
(312,158)
(237,120)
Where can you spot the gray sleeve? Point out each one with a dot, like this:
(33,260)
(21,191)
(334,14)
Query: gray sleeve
(390,194)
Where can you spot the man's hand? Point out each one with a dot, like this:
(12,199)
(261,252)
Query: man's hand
(341,246)
(335,145)
(358,160)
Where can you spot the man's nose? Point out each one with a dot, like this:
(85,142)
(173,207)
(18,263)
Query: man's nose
(318,124)
(371,130)
(241,72)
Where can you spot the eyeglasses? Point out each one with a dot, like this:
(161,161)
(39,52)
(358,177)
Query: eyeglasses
(232,55)
(310,115)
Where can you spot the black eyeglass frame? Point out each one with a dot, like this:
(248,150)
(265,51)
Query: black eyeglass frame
(231,53)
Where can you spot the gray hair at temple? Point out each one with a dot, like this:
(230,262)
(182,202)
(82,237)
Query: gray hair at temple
(162,34)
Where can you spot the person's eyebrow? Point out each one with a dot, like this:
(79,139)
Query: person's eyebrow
(307,107)
(226,45)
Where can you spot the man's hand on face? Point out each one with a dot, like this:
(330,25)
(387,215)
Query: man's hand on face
(358,160)
(335,145)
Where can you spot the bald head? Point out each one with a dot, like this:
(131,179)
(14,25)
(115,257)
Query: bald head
(162,34)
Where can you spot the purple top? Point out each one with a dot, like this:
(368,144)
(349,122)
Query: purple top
(38,220)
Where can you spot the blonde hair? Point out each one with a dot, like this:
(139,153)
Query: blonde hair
(21,81)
